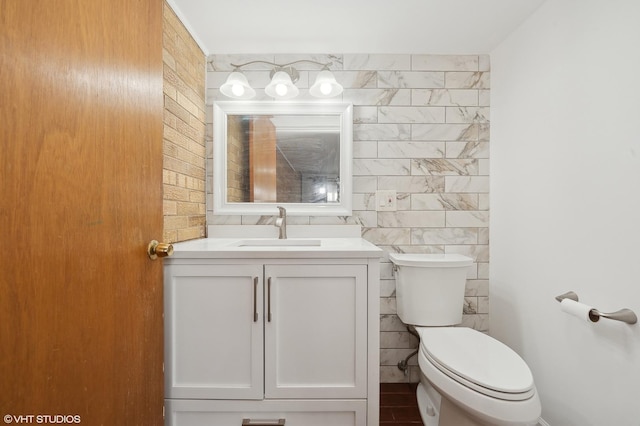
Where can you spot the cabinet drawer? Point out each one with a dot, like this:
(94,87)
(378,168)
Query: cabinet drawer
(293,413)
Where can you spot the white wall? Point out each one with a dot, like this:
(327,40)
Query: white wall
(565,204)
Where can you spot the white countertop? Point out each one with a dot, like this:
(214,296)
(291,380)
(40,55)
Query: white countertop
(214,248)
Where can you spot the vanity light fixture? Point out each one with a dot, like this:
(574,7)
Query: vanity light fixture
(325,86)
(282,85)
(237,87)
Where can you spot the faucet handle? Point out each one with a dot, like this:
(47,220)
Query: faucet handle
(281,223)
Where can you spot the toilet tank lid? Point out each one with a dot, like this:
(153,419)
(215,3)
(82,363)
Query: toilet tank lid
(427,260)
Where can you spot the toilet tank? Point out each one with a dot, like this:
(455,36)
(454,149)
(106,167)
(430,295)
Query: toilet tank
(430,287)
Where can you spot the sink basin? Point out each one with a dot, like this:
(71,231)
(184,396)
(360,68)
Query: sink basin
(274,242)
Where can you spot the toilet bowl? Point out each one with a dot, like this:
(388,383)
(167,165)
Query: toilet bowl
(482,377)
(467,377)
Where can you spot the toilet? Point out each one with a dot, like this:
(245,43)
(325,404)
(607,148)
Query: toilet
(467,378)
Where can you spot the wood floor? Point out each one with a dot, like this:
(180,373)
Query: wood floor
(398,405)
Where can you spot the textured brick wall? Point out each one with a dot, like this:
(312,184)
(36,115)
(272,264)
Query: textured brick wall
(184,132)
(237,162)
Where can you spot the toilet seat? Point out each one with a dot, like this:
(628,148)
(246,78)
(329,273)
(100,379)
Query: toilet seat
(477,361)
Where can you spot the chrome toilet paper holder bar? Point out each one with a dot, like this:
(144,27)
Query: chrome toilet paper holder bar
(624,315)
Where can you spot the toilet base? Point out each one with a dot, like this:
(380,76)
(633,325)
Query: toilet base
(428,406)
(438,411)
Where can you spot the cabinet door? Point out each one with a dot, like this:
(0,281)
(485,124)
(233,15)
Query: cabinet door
(316,336)
(213,331)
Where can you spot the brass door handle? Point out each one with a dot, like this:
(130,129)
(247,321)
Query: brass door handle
(156,250)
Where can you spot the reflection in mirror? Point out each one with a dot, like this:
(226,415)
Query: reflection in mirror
(283,159)
(297,155)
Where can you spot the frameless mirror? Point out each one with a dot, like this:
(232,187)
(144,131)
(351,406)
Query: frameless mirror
(295,155)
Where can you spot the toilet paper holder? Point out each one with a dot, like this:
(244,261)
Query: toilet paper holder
(624,315)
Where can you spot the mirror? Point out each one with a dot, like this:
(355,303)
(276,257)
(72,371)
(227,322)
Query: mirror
(295,155)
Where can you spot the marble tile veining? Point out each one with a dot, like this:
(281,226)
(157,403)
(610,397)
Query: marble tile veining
(421,127)
(445,97)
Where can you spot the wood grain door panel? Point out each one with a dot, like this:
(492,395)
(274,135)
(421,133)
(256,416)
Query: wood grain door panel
(262,160)
(81,196)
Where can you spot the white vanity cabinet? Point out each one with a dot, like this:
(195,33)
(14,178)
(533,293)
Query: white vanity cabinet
(271,341)
(213,340)
(315,332)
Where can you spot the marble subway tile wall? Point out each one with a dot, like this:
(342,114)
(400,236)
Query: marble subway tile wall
(421,135)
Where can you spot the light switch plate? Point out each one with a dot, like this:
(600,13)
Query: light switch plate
(386,200)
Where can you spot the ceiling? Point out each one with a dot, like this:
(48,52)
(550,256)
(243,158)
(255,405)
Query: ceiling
(352,26)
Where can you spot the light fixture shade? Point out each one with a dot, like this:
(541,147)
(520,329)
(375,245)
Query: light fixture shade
(237,87)
(325,86)
(281,86)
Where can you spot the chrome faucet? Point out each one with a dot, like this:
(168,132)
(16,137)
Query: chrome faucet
(281,222)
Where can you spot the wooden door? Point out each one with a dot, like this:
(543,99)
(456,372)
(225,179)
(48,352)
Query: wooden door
(262,160)
(80,197)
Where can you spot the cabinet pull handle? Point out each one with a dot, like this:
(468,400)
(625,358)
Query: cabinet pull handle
(255,299)
(269,299)
(249,422)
